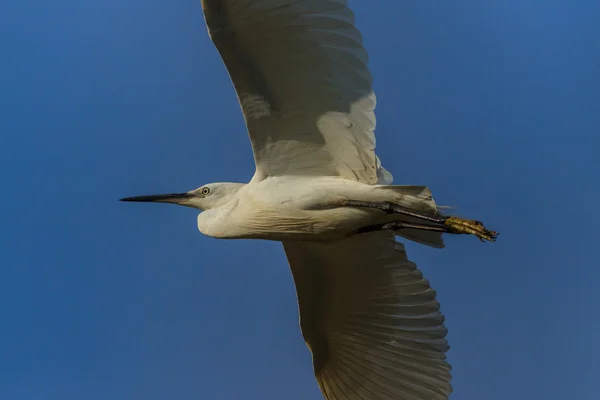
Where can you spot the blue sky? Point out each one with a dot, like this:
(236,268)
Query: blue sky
(493,105)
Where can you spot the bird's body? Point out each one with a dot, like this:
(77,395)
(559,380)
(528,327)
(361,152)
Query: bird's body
(304,208)
(369,317)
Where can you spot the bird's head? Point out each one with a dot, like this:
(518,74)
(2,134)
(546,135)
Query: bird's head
(203,198)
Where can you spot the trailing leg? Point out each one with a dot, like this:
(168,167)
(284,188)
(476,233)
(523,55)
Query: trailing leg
(437,222)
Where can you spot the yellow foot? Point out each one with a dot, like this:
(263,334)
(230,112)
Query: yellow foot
(459,225)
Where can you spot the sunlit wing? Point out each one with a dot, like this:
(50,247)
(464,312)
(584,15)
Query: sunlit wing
(370,319)
(300,73)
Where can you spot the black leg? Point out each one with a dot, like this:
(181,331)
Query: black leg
(392,208)
(440,223)
(397,225)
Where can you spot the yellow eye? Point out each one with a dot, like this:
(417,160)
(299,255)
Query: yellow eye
(205,191)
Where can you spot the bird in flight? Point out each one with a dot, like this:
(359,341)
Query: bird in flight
(369,318)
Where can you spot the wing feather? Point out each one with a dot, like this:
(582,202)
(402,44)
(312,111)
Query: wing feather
(300,73)
(370,319)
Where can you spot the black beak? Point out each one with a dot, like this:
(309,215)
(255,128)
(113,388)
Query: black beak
(176,198)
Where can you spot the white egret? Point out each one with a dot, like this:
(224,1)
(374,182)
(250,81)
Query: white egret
(368,316)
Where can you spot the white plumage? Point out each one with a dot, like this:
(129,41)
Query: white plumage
(369,317)
(300,72)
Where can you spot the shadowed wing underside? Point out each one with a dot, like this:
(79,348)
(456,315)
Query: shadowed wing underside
(370,319)
(300,73)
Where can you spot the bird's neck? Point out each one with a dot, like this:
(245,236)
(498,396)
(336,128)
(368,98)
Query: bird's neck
(217,221)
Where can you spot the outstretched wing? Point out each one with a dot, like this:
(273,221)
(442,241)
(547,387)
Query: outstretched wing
(370,319)
(300,73)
